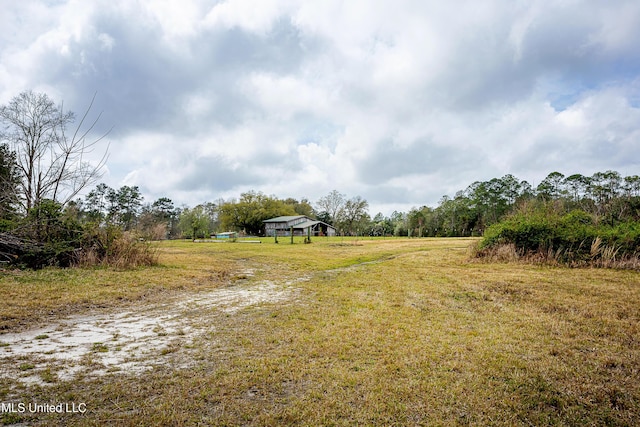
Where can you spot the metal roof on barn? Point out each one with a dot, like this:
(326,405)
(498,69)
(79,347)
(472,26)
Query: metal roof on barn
(285,218)
(307,224)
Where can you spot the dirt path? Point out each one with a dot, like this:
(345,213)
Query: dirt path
(129,341)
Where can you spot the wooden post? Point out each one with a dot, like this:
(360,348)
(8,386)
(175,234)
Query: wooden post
(292,234)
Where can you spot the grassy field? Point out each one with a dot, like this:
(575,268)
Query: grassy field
(367,332)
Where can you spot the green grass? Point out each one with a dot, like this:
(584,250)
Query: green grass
(383,332)
(99,347)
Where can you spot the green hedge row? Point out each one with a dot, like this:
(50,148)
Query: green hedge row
(577,234)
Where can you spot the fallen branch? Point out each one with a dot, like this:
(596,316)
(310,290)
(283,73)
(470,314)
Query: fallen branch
(12,246)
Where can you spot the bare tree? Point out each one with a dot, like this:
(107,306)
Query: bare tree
(332,203)
(51,163)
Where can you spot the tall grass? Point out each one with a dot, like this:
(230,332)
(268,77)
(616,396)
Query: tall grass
(120,250)
(602,256)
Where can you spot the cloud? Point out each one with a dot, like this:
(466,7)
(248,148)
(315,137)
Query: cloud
(421,157)
(216,174)
(400,103)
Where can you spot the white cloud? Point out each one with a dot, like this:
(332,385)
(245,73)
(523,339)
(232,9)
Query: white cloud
(106,41)
(246,14)
(175,19)
(400,102)
(286,96)
(619,26)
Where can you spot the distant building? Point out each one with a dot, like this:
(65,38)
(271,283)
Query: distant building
(302,226)
(227,235)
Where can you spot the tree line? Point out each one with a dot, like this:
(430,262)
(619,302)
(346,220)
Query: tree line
(43,171)
(125,208)
(608,196)
(575,220)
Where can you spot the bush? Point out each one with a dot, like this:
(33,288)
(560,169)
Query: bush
(50,236)
(574,238)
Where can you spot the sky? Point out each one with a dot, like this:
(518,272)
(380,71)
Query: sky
(399,102)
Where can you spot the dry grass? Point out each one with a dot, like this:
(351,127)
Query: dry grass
(388,332)
(600,256)
(33,297)
(125,252)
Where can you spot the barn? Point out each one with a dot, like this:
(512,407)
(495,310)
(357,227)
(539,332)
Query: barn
(302,226)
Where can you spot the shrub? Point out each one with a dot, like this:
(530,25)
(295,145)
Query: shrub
(50,236)
(574,238)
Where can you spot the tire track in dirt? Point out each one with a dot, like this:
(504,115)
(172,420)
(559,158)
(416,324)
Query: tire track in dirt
(132,341)
(138,339)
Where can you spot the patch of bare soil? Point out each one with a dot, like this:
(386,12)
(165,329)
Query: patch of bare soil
(131,341)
